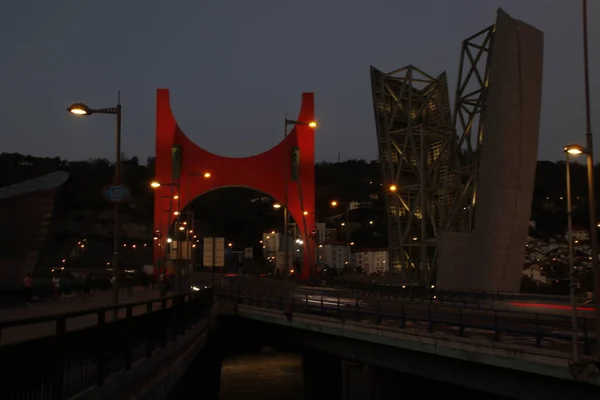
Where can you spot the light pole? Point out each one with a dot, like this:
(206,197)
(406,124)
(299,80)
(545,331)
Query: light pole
(83,109)
(174,196)
(288,171)
(574,150)
(335,203)
(590,167)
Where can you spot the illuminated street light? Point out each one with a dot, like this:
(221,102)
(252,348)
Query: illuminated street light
(82,109)
(334,203)
(181,228)
(229,244)
(169,240)
(79,109)
(574,149)
(393,188)
(276,205)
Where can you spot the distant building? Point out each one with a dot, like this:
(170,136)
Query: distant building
(334,254)
(372,261)
(271,242)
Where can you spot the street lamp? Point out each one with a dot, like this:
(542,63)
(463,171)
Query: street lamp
(572,150)
(590,168)
(82,109)
(288,122)
(174,186)
(335,203)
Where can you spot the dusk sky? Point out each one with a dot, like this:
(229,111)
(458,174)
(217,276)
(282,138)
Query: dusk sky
(235,67)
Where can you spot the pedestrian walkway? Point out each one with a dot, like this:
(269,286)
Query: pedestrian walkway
(67,305)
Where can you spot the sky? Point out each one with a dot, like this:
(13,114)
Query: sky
(237,67)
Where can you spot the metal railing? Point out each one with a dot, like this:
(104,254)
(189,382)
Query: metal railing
(70,362)
(424,293)
(498,325)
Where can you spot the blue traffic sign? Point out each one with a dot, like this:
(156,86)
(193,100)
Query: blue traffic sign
(116,193)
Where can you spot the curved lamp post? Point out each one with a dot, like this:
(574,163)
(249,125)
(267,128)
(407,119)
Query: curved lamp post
(84,110)
(572,150)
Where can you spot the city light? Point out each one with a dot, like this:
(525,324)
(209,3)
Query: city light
(334,203)
(176,213)
(313,124)
(229,244)
(393,188)
(276,205)
(169,240)
(175,197)
(155,184)
(305,213)
(207,175)
(181,228)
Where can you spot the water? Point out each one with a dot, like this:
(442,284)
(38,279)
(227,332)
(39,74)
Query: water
(266,374)
(262,375)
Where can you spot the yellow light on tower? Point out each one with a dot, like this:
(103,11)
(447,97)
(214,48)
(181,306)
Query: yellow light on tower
(207,175)
(155,184)
(276,205)
(305,213)
(313,124)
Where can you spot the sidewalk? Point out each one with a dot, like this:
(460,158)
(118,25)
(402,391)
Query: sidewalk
(96,300)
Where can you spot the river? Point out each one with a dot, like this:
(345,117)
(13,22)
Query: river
(263,375)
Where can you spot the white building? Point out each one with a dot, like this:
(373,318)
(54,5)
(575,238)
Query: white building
(271,242)
(333,254)
(371,261)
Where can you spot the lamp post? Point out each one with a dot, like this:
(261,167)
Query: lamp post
(335,203)
(572,150)
(590,168)
(288,122)
(83,109)
(174,196)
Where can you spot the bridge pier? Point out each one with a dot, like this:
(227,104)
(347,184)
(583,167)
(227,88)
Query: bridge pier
(322,376)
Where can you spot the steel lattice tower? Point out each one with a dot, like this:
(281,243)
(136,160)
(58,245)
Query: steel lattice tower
(429,154)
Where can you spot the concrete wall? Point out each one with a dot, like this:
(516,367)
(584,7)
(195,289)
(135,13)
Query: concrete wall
(500,369)
(155,378)
(508,159)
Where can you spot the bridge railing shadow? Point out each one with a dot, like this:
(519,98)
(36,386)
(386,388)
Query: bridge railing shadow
(70,362)
(529,329)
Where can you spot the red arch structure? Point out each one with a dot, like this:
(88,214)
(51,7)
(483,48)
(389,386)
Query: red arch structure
(264,172)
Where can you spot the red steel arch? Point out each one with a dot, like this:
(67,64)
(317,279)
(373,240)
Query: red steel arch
(263,172)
